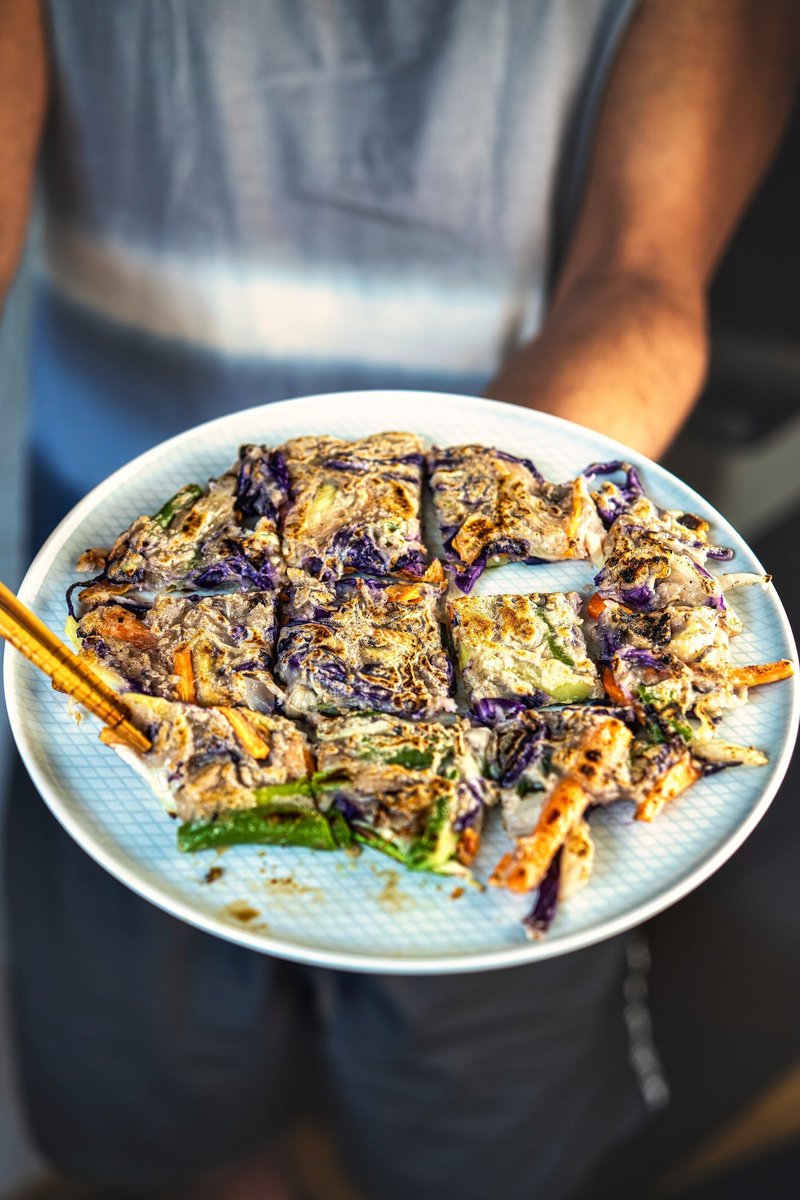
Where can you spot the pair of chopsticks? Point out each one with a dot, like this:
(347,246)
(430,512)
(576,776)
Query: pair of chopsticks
(23,630)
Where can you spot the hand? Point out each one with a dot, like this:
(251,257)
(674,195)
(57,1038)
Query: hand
(694,111)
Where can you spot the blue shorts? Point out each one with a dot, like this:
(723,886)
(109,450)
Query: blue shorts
(150,1051)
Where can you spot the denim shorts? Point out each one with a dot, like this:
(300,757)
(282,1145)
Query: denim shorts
(150,1051)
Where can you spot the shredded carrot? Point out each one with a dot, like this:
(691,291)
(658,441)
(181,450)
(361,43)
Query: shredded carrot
(250,740)
(467,847)
(434,573)
(526,866)
(183,668)
(406,594)
(595,606)
(116,622)
(612,688)
(761,673)
(677,779)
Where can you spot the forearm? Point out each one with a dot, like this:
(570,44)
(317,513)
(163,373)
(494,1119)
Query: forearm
(693,112)
(620,353)
(23,100)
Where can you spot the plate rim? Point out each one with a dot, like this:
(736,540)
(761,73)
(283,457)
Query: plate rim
(526,952)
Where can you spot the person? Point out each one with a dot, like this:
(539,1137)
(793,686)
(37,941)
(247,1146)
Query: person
(257,200)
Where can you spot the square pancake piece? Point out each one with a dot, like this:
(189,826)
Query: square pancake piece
(517,651)
(355,506)
(365,644)
(495,508)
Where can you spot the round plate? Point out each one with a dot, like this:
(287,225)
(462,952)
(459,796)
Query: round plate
(365,913)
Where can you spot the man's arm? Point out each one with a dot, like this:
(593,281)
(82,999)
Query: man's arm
(23,100)
(693,113)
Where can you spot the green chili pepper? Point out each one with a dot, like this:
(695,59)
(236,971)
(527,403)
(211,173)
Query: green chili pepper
(252,825)
(342,833)
(409,756)
(184,499)
(273,794)
(367,838)
(558,652)
(437,843)
(326,781)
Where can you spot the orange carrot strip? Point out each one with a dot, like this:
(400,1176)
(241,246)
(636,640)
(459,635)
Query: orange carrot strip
(677,779)
(761,673)
(116,622)
(434,573)
(406,594)
(612,688)
(182,666)
(467,847)
(525,867)
(595,606)
(251,741)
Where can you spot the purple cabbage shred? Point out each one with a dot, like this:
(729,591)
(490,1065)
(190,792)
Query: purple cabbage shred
(541,916)
(490,710)
(525,462)
(469,576)
(530,748)
(235,569)
(642,657)
(610,507)
(261,475)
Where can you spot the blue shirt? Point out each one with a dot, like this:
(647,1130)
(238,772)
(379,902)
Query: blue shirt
(265,198)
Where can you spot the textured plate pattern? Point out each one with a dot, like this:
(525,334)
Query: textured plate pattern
(362,913)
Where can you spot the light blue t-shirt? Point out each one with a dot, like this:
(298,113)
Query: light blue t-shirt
(257,199)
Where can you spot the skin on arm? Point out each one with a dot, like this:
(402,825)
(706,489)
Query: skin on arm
(23,103)
(692,116)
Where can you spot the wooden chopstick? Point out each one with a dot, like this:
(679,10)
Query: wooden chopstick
(28,634)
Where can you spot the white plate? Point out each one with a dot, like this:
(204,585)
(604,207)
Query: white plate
(365,914)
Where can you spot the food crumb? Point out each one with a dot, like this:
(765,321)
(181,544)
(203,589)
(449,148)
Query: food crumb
(390,897)
(242,911)
(457,893)
(287,885)
(213,874)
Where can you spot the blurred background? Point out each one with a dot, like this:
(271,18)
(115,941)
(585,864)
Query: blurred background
(725,978)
